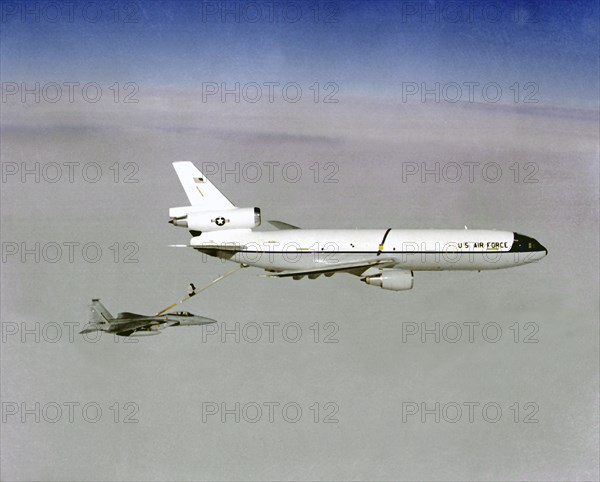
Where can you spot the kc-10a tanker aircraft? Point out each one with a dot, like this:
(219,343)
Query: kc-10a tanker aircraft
(385,257)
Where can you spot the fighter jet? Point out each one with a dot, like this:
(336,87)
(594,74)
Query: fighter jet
(134,324)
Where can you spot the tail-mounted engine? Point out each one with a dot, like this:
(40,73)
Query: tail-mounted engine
(202,220)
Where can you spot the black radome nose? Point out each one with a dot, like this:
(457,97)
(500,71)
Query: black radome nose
(540,247)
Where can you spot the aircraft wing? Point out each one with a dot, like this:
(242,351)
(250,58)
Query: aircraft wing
(233,247)
(355,268)
(127,329)
(282,225)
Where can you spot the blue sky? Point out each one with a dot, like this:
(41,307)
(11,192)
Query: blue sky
(366,47)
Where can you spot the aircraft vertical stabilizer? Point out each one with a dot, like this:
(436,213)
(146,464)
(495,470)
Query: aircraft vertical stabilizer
(98,313)
(199,190)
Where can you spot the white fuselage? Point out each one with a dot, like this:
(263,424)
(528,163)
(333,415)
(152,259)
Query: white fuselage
(411,249)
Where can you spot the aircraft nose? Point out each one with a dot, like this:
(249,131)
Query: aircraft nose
(206,321)
(524,243)
(539,247)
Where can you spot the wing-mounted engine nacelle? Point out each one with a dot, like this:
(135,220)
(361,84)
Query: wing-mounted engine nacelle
(391,279)
(202,220)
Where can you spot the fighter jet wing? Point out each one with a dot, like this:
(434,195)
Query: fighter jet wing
(127,329)
(355,268)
